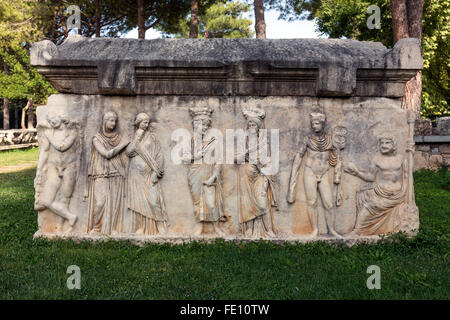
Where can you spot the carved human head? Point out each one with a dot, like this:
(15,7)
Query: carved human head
(387,144)
(318,120)
(142,121)
(109,121)
(55,121)
(255,118)
(201,118)
(339,137)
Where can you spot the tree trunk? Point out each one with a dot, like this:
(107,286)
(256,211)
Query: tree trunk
(97,27)
(27,110)
(413,89)
(413,94)
(63,25)
(407,22)
(5,114)
(30,114)
(414,10)
(5,102)
(16,118)
(24,113)
(141,19)
(54,26)
(193,31)
(260,24)
(97,19)
(399,19)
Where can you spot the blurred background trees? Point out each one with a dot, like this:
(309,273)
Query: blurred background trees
(23,22)
(213,19)
(20,85)
(347,19)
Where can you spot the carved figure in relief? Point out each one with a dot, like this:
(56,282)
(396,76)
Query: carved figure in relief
(145,198)
(57,167)
(257,196)
(204,178)
(378,208)
(311,167)
(339,142)
(106,179)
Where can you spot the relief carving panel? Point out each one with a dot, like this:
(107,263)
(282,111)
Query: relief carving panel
(162,168)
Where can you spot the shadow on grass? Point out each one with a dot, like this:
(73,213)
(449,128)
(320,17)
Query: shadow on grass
(414,268)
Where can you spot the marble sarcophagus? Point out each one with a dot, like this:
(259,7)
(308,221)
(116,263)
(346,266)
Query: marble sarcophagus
(173,140)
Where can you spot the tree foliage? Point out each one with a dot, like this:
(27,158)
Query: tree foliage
(110,18)
(294,9)
(436,55)
(224,19)
(17,31)
(27,21)
(22,81)
(348,18)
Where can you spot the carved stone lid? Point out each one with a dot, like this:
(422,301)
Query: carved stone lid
(285,67)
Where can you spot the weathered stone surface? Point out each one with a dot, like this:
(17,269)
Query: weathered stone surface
(113,163)
(437,147)
(420,160)
(291,116)
(17,136)
(443,126)
(444,148)
(435,161)
(312,67)
(423,127)
(446,160)
(423,147)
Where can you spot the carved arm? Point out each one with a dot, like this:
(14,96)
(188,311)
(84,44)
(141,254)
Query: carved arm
(68,142)
(368,176)
(294,174)
(44,146)
(214,177)
(108,154)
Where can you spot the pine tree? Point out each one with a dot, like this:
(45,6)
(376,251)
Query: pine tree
(224,19)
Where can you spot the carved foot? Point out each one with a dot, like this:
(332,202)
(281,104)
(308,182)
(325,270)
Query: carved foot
(198,229)
(334,233)
(38,206)
(352,234)
(162,231)
(95,232)
(72,220)
(270,234)
(219,232)
(314,233)
(69,230)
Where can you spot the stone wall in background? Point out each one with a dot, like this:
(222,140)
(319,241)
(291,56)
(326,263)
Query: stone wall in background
(443,126)
(17,138)
(432,144)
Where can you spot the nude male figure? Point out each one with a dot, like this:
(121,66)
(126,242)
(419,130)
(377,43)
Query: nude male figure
(57,168)
(318,154)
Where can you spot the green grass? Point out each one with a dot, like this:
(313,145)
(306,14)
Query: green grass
(14,157)
(36,269)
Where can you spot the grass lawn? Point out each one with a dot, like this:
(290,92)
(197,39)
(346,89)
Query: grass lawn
(15,157)
(36,269)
